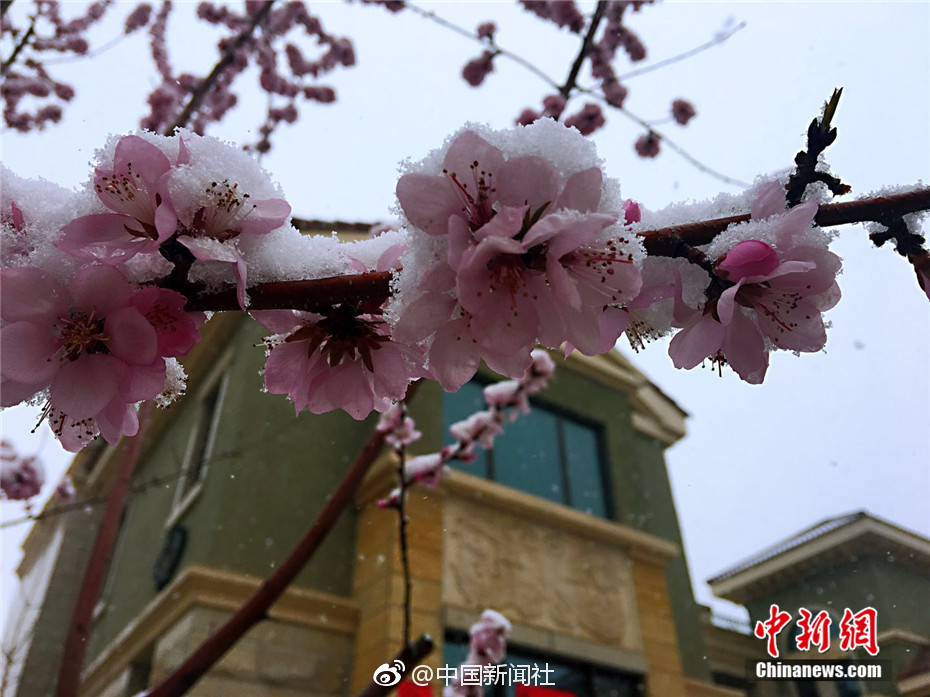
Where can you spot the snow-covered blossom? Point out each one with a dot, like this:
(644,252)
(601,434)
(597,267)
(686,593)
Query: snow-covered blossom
(155,199)
(528,251)
(135,189)
(400,429)
(768,294)
(96,344)
(487,646)
(343,359)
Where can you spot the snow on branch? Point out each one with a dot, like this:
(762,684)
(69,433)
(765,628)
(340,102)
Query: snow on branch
(507,240)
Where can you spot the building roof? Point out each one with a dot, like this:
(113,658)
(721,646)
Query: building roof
(818,546)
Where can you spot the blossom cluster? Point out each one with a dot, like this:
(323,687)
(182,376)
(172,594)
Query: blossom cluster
(506,240)
(487,646)
(505,400)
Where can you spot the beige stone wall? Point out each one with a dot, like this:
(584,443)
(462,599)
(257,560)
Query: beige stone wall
(539,576)
(275,658)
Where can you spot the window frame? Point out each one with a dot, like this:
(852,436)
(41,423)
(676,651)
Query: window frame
(561,414)
(187,491)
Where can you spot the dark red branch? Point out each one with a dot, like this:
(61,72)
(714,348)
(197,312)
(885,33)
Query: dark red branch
(256,607)
(309,296)
(322,293)
(69,674)
(829,215)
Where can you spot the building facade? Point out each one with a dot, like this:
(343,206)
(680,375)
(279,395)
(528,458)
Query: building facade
(568,528)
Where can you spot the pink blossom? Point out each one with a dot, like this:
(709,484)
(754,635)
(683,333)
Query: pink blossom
(587,120)
(135,189)
(647,145)
(528,262)
(21,477)
(481,427)
(400,429)
(94,344)
(770,296)
(478,68)
(226,213)
(341,360)
(488,646)
(683,111)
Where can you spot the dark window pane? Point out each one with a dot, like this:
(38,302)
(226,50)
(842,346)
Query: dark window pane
(583,460)
(526,457)
(458,406)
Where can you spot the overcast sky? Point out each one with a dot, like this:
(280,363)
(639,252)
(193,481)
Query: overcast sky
(827,433)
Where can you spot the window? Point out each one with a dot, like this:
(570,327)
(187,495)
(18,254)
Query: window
(564,675)
(545,453)
(204,422)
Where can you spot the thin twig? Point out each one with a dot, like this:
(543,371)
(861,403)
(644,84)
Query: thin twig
(690,159)
(570,82)
(401,450)
(229,54)
(452,26)
(719,39)
(8,63)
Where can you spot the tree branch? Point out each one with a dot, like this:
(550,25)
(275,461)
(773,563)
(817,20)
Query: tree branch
(229,54)
(256,607)
(321,293)
(309,296)
(829,215)
(69,674)
(8,63)
(570,82)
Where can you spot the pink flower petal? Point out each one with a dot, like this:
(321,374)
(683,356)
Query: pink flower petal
(748,258)
(527,181)
(142,382)
(696,342)
(265,216)
(117,420)
(26,293)
(82,388)
(427,201)
(277,321)
(582,191)
(28,351)
(467,149)
(795,221)
(768,201)
(453,355)
(12,392)
(130,337)
(744,349)
(107,237)
(100,289)
(285,362)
